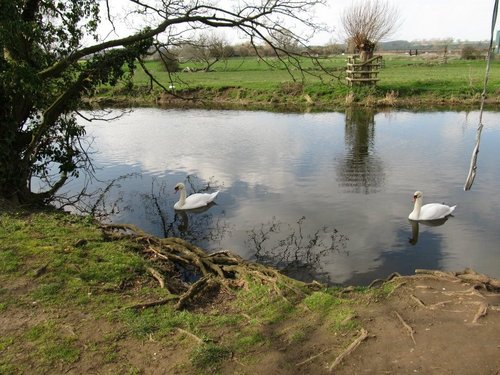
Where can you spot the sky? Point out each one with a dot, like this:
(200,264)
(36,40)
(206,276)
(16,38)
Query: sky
(464,20)
(427,19)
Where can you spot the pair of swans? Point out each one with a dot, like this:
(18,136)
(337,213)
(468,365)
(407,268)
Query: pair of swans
(194,201)
(428,212)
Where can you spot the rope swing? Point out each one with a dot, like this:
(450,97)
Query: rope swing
(475,152)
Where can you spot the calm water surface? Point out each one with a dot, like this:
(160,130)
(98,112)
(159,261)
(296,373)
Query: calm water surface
(322,196)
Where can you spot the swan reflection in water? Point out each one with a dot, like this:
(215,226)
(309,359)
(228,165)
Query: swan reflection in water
(298,249)
(182,217)
(198,226)
(430,223)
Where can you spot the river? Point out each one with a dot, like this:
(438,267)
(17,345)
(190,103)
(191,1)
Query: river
(322,196)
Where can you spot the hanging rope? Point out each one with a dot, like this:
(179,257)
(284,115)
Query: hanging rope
(473,162)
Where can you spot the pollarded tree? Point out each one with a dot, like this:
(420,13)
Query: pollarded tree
(365,23)
(53,55)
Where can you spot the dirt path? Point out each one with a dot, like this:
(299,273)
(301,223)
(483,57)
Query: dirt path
(427,325)
(455,329)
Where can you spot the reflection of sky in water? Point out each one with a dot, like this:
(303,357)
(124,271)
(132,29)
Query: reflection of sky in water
(353,172)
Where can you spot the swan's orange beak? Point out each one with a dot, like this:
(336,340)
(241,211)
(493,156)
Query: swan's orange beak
(176,189)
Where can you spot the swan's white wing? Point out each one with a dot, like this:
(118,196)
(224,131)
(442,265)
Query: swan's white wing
(198,200)
(433,211)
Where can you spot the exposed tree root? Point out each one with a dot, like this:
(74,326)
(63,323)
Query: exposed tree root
(202,285)
(471,276)
(439,304)
(157,276)
(410,330)
(468,275)
(175,257)
(153,304)
(472,291)
(396,288)
(183,331)
(481,312)
(439,274)
(352,347)
(379,282)
(40,271)
(314,357)
(314,285)
(418,301)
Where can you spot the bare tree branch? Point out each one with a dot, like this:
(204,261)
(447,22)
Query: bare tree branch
(366,23)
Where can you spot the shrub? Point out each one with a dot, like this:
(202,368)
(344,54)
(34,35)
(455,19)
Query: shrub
(470,53)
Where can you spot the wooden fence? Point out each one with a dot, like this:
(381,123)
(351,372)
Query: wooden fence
(364,73)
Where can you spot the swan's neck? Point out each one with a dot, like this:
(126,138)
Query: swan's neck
(182,198)
(415,214)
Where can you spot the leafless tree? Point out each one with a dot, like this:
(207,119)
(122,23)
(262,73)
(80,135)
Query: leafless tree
(367,22)
(56,52)
(208,48)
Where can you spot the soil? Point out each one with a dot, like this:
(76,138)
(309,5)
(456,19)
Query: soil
(428,325)
(432,323)
(455,328)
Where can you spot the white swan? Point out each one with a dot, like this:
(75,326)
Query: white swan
(431,211)
(196,200)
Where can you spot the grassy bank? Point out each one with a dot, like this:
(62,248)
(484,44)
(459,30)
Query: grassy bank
(405,81)
(71,302)
(75,299)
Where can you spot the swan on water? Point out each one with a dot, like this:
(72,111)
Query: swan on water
(430,211)
(196,200)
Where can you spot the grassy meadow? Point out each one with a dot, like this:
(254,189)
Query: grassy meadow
(404,81)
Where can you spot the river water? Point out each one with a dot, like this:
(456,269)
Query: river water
(321,196)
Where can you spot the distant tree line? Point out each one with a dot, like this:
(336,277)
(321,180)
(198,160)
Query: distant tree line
(479,47)
(208,49)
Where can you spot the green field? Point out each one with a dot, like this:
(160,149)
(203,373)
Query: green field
(403,79)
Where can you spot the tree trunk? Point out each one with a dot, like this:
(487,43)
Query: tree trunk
(366,53)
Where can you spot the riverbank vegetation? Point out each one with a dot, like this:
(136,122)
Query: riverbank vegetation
(405,81)
(78,297)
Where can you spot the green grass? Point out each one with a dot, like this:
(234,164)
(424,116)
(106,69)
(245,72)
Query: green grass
(51,345)
(261,301)
(321,302)
(50,280)
(47,244)
(209,356)
(248,339)
(247,79)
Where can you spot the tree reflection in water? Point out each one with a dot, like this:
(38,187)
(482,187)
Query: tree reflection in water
(102,203)
(294,249)
(297,254)
(361,171)
(196,226)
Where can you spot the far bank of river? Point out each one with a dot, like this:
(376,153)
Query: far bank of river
(239,98)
